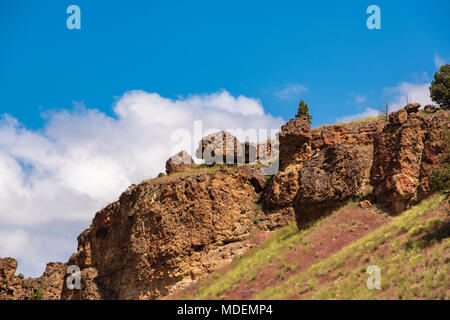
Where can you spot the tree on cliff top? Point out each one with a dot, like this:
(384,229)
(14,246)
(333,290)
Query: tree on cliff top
(440,87)
(303,111)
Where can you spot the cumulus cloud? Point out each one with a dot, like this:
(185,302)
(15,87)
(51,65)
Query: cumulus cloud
(368,112)
(53,180)
(408,92)
(290,91)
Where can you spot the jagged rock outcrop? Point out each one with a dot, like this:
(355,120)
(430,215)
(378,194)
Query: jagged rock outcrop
(404,153)
(49,285)
(220,147)
(352,133)
(295,142)
(179,162)
(10,284)
(330,177)
(166,232)
(295,149)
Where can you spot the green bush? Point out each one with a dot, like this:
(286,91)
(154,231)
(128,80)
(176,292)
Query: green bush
(303,111)
(37,294)
(440,87)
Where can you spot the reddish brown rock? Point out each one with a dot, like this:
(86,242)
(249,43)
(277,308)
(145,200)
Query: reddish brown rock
(398,117)
(179,162)
(365,204)
(351,133)
(403,156)
(219,148)
(412,107)
(165,233)
(295,142)
(277,200)
(330,177)
(50,283)
(10,284)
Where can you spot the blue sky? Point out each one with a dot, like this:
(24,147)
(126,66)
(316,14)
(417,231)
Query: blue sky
(253,48)
(85,113)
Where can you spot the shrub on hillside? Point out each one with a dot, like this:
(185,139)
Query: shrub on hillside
(303,111)
(440,87)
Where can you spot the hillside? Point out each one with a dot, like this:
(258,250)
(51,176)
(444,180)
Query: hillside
(329,259)
(303,217)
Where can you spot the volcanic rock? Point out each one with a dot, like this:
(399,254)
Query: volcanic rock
(165,233)
(331,176)
(179,162)
(412,107)
(10,284)
(295,142)
(404,154)
(398,117)
(220,148)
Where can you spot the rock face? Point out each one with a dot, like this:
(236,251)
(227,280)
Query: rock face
(404,152)
(17,288)
(51,282)
(10,284)
(179,162)
(165,233)
(220,147)
(331,176)
(295,142)
(352,133)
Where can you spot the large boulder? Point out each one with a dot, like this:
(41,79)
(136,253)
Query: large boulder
(330,177)
(164,234)
(220,148)
(404,153)
(412,107)
(179,162)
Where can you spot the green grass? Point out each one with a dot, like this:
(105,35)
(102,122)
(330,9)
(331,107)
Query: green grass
(398,266)
(247,266)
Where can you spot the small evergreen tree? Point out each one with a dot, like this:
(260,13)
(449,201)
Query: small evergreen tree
(440,87)
(303,111)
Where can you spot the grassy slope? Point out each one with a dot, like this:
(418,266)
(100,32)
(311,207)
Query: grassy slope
(412,250)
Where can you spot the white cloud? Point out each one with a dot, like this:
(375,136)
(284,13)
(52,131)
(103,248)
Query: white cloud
(52,181)
(408,92)
(438,61)
(290,91)
(360,98)
(368,112)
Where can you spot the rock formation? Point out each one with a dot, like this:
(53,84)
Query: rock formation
(404,152)
(167,232)
(295,142)
(352,133)
(51,282)
(179,162)
(330,177)
(14,287)
(10,284)
(220,147)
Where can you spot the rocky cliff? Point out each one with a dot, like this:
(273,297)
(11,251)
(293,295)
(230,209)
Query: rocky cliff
(165,233)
